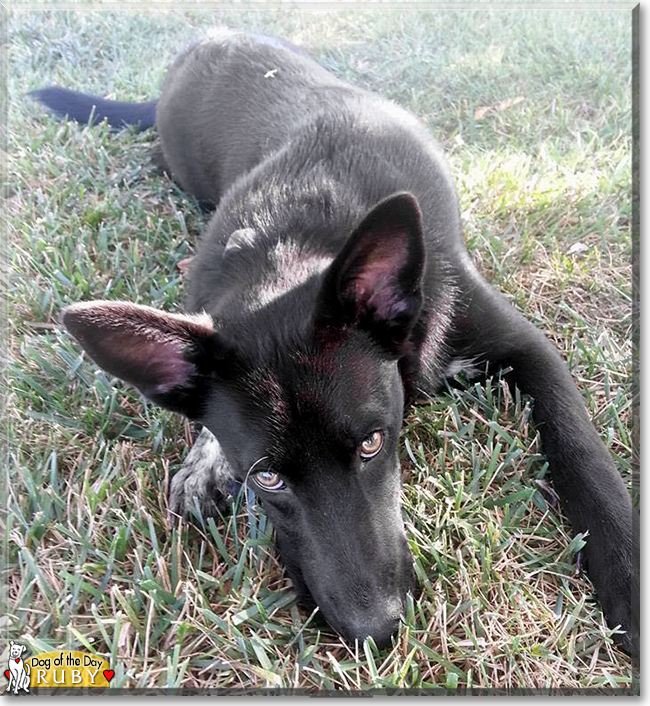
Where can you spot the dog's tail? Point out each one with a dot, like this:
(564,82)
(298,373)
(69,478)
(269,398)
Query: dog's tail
(89,110)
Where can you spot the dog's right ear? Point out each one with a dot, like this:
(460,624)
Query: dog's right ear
(166,356)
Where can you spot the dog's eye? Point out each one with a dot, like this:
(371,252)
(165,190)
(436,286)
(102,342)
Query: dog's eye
(371,445)
(269,481)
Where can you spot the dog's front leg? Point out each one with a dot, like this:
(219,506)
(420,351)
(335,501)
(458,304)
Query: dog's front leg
(588,483)
(204,480)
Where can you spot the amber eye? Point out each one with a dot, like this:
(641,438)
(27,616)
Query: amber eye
(269,481)
(371,445)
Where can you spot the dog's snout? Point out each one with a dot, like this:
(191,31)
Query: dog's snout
(380,627)
(365,597)
(380,620)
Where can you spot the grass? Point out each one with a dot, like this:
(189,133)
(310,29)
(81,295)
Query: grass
(533,110)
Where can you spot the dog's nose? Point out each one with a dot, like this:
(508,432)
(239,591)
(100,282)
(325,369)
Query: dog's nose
(381,629)
(381,622)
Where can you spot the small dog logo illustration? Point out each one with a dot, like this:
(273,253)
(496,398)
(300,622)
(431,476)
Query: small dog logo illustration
(18,672)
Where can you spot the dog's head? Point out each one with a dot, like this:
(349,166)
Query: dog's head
(16,650)
(306,398)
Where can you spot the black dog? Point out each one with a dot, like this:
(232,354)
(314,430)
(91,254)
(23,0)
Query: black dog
(334,286)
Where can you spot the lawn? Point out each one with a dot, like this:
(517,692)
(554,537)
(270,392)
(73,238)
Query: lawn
(533,109)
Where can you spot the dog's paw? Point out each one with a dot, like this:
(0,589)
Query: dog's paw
(190,492)
(204,482)
(615,576)
(619,612)
(621,608)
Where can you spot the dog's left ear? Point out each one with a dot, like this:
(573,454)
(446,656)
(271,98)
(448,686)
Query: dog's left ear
(166,356)
(375,282)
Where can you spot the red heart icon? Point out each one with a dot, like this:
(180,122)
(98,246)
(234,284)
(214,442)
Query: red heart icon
(109,674)
(18,660)
(7,673)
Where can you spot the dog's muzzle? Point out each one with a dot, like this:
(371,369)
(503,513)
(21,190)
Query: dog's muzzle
(360,596)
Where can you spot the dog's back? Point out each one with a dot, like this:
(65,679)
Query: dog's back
(233,89)
(255,101)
